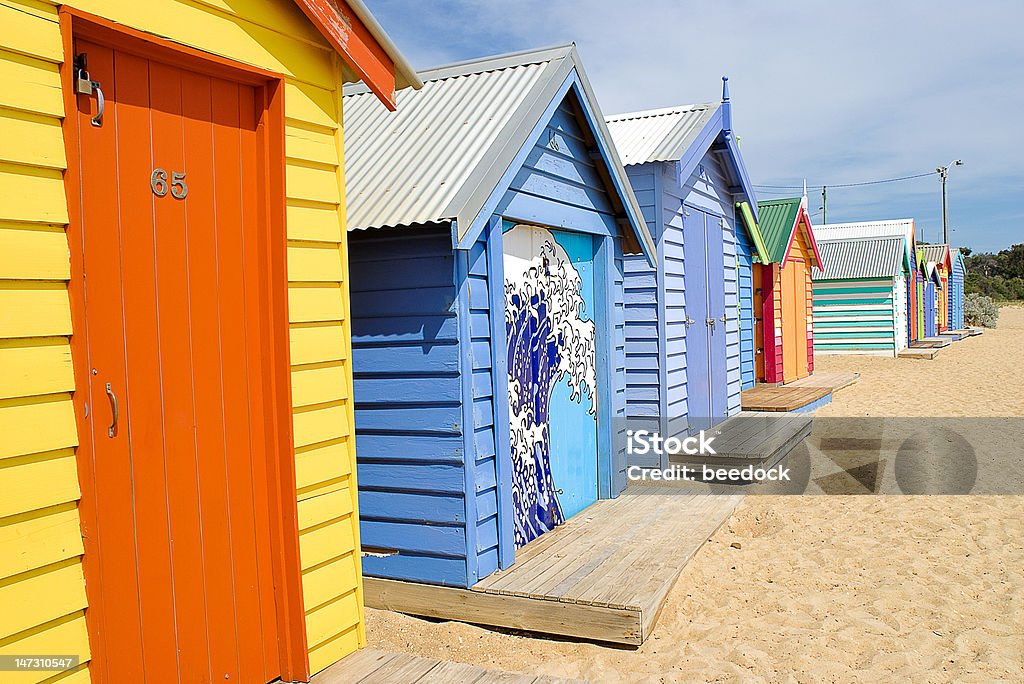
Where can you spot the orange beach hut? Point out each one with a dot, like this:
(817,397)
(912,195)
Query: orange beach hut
(176,448)
(783,330)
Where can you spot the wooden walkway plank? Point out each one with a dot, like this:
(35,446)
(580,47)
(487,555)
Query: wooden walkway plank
(369,666)
(355,667)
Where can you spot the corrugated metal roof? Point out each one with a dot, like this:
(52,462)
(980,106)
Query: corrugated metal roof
(659,134)
(442,154)
(860,258)
(407,167)
(933,253)
(777,222)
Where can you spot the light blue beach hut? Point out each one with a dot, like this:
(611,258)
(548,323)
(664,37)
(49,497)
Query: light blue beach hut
(690,321)
(489,218)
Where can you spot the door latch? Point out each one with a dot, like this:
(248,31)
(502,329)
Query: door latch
(688,322)
(710,322)
(84,85)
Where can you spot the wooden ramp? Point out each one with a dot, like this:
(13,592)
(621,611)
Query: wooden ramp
(922,354)
(975,331)
(378,667)
(833,381)
(751,438)
(952,335)
(929,343)
(603,576)
(784,398)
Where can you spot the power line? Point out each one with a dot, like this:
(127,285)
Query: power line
(845,185)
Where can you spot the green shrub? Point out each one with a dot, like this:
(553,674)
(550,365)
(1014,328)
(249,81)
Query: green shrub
(980,310)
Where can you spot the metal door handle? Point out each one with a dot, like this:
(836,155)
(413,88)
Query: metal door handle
(710,322)
(559,492)
(86,86)
(723,319)
(689,321)
(112,430)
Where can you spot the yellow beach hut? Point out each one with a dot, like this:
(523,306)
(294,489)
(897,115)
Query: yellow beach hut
(176,448)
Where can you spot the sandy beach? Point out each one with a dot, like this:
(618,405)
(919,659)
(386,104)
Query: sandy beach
(824,588)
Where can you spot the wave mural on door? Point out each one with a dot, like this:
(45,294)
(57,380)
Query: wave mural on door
(548,341)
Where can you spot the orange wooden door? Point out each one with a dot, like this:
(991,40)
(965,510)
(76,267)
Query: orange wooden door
(790,322)
(184,589)
(800,297)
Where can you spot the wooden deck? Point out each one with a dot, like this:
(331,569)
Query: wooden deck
(833,381)
(921,354)
(603,576)
(370,666)
(752,438)
(781,397)
(930,343)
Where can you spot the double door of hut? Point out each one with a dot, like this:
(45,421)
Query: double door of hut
(175,398)
(707,385)
(931,309)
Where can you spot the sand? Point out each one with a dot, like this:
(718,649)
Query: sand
(824,588)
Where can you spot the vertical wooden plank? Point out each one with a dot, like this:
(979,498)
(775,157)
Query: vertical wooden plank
(143,400)
(178,391)
(248,108)
(233,332)
(461,277)
(204,194)
(499,384)
(278,374)
(113,528)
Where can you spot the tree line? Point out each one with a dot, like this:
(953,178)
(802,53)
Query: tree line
(999,276)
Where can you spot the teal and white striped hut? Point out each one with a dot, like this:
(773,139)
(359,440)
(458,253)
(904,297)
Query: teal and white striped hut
(860,296)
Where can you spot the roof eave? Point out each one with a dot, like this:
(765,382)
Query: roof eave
(353,32)
(565,72)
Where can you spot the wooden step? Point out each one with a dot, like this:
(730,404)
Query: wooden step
(924,354)
(754,438)
(790,397)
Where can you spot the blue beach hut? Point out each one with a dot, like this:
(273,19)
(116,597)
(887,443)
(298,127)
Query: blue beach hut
(957,274)
(690,321)
(489,219)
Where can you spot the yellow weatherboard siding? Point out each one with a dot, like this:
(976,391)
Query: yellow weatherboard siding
(42,596)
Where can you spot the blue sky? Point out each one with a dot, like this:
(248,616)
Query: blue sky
(836,92)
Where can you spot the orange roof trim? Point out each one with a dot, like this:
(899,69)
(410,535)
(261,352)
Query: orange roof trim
(355,41)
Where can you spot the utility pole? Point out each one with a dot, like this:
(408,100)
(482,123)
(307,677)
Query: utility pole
(943,172)
(823,216)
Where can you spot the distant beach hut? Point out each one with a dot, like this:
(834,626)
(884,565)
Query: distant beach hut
(683,317)
(784,333)
(957,275)
(858,321)
(489,217)
(928,287)
(939,255)
(860,296)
